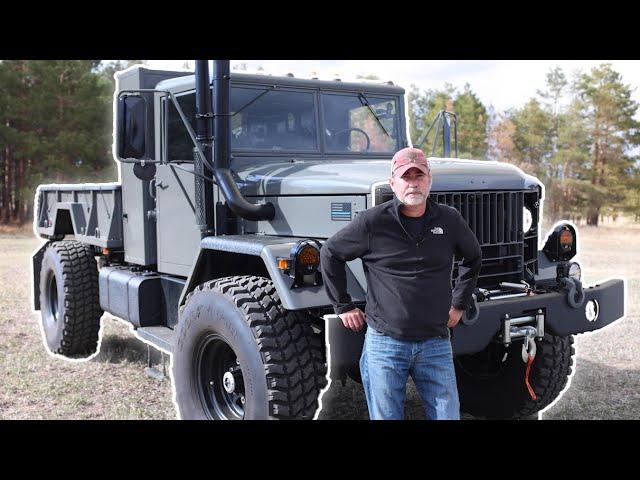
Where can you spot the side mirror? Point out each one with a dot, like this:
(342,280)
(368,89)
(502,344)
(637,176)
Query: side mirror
(132,123)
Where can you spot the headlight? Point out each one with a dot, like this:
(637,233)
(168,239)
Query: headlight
(527,219)
(561,243)
(568,270)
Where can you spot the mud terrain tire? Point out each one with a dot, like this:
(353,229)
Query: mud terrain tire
(69,299)
(502,392)
(237,324)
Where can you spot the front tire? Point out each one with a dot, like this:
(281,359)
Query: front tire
(489,388)
(240,355)
(69,299)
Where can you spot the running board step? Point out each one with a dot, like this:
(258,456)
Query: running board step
(160,337)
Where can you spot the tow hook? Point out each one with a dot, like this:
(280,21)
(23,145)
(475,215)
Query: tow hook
(575,292)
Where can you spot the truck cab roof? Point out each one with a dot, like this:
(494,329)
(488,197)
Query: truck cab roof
(186,83)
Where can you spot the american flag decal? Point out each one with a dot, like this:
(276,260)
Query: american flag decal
(341,212)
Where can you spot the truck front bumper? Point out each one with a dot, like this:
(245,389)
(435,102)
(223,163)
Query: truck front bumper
(560,317)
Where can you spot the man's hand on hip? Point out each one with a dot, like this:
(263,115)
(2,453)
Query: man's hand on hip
(353,319)
(454,316)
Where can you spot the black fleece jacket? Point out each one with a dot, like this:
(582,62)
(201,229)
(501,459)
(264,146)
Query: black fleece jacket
(408,281)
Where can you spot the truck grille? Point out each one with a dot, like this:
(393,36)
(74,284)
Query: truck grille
(496,218)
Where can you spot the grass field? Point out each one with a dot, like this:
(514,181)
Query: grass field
(113,385)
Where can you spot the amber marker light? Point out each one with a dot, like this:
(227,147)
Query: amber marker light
(566,239)
(284,264)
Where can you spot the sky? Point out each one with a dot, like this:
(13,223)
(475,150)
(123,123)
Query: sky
(501,83)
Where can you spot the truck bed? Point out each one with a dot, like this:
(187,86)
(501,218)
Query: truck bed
(91,212)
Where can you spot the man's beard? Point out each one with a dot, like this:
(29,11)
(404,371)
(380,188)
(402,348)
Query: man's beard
(416,199)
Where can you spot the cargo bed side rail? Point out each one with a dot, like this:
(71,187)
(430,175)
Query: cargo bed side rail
(92,213)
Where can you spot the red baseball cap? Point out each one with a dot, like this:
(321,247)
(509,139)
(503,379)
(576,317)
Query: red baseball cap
(408,158)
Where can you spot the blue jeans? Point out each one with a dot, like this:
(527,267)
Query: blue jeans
(385,366)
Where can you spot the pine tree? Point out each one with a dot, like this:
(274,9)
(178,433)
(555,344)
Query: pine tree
(567,187)
(500,141)
(55,127)
(532,137)
(472,124)
(607,106)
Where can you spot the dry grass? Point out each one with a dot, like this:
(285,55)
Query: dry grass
(113,384)
(35,385)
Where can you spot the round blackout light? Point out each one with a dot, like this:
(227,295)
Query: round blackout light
(591,310)
(308,256)
(527,219)
(575,271)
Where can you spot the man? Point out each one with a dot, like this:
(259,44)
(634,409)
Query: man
(407,247)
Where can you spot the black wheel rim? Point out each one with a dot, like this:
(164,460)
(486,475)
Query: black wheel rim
(220,381)
(52,296)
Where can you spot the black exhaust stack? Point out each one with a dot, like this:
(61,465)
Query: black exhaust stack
(222,144)
(237,203)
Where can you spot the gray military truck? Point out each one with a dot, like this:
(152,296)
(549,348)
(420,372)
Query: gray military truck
(209,246)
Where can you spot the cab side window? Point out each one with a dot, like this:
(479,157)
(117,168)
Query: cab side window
(179,145)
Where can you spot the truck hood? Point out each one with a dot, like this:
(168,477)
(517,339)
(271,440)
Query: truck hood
(262,177)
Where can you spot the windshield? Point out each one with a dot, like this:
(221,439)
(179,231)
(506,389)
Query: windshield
(359,124)
(273,120)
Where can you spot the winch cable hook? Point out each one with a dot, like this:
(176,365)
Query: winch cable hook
(528,355)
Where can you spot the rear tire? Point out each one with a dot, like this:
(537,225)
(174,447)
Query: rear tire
(240,355)
(69,299)
(489,388)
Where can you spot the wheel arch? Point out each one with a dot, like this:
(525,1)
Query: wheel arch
(212,264)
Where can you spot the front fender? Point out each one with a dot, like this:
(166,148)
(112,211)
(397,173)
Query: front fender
(36,267)
(268,248)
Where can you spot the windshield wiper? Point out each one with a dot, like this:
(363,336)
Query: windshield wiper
(365,102)
(269,89)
